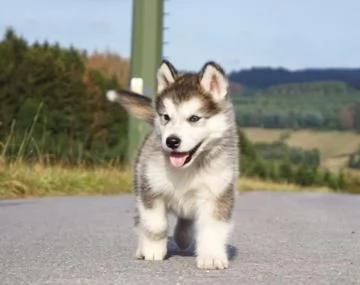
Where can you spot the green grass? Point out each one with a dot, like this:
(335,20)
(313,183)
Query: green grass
(22,179)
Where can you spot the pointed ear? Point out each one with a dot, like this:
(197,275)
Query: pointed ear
(214,81)
(166,75)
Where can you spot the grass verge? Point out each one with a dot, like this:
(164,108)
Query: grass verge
(19,180)
(252,184)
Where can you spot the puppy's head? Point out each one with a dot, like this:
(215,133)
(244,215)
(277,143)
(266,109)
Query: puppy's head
(190,111)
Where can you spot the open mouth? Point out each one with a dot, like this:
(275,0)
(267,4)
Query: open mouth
(179,159)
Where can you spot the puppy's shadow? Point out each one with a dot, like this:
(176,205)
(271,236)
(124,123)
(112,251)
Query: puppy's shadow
(173,250)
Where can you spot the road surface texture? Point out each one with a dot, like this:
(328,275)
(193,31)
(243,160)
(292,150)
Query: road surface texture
(279,238)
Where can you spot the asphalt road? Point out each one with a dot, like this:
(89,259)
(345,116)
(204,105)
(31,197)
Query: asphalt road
(278,239)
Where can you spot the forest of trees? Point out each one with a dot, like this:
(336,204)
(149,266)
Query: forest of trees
(53,105)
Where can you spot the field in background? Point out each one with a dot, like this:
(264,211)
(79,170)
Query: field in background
(335,146)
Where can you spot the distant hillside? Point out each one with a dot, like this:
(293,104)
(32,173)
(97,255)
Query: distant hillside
(263,77)
(317,105)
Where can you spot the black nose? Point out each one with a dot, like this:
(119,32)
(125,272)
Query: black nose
(173,142)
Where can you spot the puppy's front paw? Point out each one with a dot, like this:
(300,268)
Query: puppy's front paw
(155,252)
(212,262)
(152,250)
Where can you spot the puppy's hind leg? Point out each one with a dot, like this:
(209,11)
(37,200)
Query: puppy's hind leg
(183,233)
(152,229)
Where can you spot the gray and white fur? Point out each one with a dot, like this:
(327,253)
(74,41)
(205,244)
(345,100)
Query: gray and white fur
(187,165)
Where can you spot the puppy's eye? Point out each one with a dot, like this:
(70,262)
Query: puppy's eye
(166,117)
(193,119)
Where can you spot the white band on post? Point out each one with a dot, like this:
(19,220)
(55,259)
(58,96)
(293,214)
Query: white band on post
(137,85)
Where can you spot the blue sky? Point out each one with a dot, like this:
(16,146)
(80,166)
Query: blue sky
(236,33)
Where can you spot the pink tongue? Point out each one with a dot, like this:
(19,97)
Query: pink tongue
(178,159)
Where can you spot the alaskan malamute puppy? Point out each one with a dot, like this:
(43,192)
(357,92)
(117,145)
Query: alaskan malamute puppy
(187,164)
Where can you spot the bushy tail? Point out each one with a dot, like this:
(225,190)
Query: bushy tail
(134,103)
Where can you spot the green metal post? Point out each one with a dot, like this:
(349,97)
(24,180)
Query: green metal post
(146,52)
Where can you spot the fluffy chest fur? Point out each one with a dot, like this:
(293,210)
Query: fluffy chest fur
(185,189)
